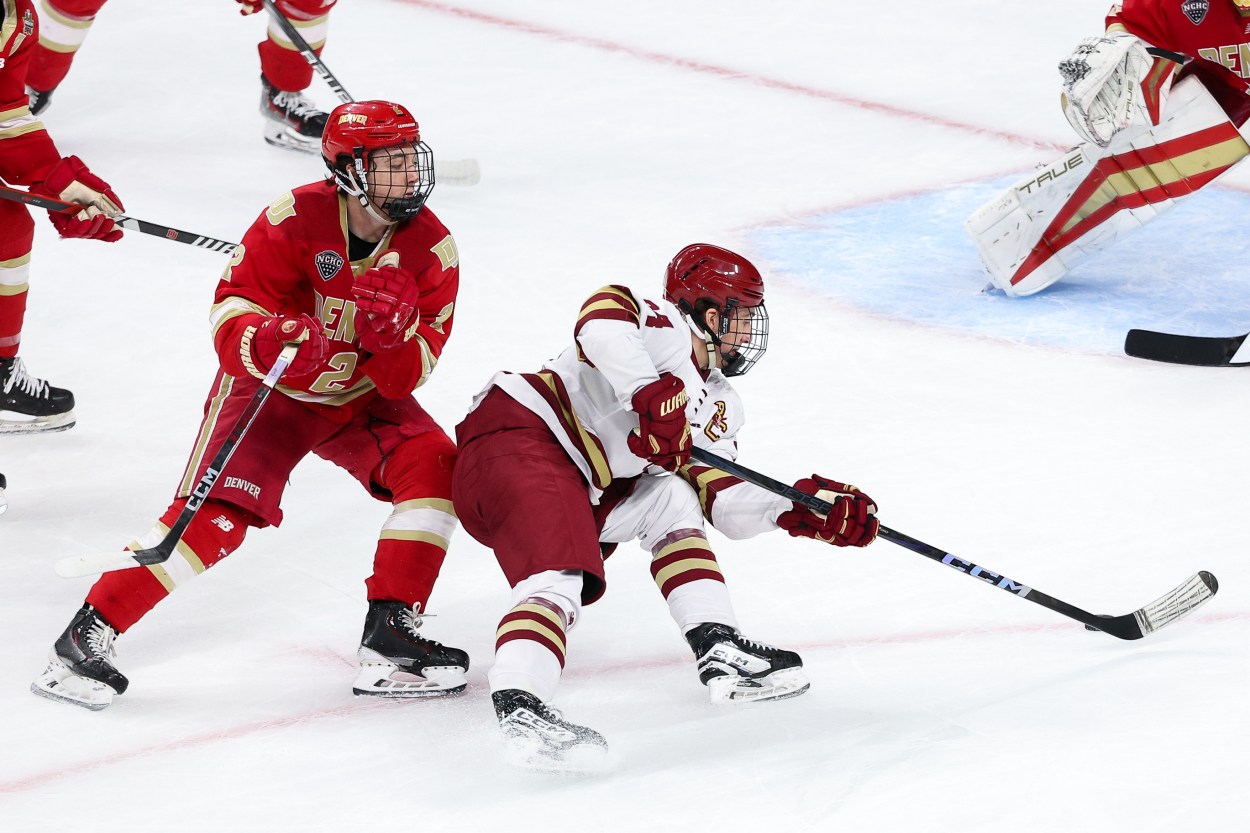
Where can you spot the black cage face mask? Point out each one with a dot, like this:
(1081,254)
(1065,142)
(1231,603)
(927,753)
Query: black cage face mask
(736,322)
(387,179)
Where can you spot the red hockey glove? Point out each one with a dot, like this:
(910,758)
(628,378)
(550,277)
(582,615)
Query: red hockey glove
(250,6)
(70,180)
(663,435)
(386,304)
(851,523)
(275,333)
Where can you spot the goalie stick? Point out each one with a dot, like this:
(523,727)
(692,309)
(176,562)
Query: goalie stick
(1202,351)
(122,220)
(453,172)
(1184,599)
(85,565)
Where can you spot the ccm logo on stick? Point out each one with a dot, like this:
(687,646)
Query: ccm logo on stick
(986,575)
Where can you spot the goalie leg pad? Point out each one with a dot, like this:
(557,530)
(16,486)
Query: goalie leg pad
(1034,233)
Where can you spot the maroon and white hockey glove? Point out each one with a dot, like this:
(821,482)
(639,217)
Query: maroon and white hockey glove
(663,435)
(851,523)
(250,6)
(276,332)
(386,305)
(70,180)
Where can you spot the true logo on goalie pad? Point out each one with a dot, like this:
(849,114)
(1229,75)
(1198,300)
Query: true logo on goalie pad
(328,264)
(1196,10)
(1073,160)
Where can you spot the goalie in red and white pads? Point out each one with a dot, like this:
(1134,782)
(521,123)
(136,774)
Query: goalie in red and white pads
(559,466)
(366,273)
(1157,102)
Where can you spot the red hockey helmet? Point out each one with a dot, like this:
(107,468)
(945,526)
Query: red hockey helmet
(701,277)
(355,132)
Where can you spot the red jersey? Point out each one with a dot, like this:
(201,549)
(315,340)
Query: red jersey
(26,150)
(294,260)
(1209,29)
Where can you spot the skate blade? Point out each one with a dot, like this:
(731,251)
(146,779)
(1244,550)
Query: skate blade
(281,136)
(58,683)
(36,425)
(388,680)
(780,685)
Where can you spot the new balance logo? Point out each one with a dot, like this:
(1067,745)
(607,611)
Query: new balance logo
(223,523)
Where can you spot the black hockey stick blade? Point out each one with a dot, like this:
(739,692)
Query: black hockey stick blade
(77,566)
(1180,602)
(1201,351)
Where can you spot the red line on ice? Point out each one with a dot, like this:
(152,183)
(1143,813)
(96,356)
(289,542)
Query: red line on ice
(43,779)
(726,72)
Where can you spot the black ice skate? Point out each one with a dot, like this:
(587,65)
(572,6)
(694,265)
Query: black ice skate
(39,100)
(29,405)
(396,661)
(80,668)
(736,669)
(539,737)
(291,120)
(4,503)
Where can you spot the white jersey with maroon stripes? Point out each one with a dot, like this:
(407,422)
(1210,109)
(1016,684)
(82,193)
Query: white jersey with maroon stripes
(624,341)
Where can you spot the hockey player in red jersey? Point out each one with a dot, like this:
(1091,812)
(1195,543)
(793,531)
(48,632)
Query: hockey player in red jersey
(291,119)
(29,157)
(1157,101)
(556,464)
(360,266)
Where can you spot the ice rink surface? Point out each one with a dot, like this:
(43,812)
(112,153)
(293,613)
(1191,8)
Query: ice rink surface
(811,136)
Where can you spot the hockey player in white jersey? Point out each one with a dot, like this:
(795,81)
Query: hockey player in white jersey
(559,466)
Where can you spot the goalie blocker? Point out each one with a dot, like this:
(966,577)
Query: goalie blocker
(1037,230)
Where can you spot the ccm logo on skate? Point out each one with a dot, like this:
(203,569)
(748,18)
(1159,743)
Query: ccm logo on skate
(242,485)
(986,575)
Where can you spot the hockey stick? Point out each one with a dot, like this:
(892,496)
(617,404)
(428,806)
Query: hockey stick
(1203,351)
(454,172)
(1181,601)
(129,223)
(85,565)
